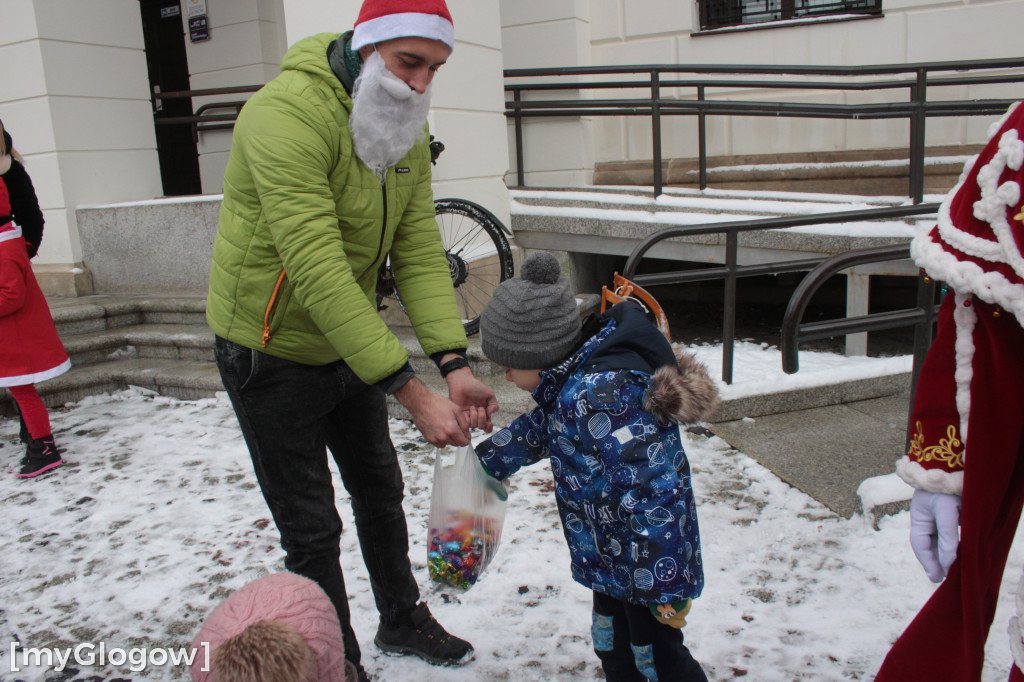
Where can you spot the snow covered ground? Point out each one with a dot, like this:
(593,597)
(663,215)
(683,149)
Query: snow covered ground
(155,517)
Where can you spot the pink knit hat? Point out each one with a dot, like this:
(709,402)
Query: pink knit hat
(381,20)
(282,604)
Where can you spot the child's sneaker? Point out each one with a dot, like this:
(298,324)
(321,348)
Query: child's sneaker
(423,636)
(41,455)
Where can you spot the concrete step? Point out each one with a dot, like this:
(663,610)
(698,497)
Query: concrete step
(883,172)
(94,313)
(595,223)
(183,379)
(828,451)
(167,341)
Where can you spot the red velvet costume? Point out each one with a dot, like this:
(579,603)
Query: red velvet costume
(967,423)
(30,350)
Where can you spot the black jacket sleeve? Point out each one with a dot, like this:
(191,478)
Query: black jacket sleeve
(24,205)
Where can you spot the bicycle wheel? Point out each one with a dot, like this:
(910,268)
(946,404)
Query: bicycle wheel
(479,255)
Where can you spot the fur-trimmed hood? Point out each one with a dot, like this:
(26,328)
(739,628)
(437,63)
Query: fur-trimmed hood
(681,389)
(683,394)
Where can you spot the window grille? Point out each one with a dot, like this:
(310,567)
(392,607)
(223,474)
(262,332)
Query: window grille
(725,13)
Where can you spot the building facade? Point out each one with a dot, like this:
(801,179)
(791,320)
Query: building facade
(80,77)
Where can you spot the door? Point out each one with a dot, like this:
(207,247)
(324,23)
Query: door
(164,35)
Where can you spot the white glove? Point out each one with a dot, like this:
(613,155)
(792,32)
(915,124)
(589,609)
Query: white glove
(935,531)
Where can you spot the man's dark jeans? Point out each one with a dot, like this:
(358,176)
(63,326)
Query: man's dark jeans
(288,413)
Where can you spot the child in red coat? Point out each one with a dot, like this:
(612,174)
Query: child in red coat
(30,350)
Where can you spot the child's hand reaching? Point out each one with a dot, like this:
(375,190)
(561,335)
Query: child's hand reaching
(491,483)
(475,399)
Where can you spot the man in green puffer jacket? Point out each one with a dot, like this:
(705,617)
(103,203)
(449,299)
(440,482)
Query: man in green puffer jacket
(329,172)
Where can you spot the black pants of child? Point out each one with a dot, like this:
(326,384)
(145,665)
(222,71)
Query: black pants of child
(634,647)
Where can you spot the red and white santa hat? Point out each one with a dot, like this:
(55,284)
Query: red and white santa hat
(381,20)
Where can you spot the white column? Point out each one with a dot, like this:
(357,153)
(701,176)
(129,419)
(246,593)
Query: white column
(76,100)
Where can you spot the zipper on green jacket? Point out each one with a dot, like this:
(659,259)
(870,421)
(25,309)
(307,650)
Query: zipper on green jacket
(383,231)
(270,309)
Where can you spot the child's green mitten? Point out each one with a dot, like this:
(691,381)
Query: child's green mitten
(672,614)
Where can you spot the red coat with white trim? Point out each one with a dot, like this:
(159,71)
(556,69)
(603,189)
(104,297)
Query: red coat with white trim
(977,247)
(30,350)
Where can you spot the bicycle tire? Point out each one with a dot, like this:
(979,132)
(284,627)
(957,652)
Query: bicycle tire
(479,258)
(478,252)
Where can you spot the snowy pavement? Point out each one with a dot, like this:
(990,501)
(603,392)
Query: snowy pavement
(155,517)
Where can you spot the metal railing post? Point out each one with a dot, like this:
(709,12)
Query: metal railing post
(702,140)
(656,130)
(917,123)
(520,172)
(729,305)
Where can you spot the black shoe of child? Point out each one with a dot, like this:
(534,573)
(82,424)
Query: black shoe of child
(41,455)
(421,635)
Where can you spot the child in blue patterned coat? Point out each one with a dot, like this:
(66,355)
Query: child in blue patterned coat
(611,394)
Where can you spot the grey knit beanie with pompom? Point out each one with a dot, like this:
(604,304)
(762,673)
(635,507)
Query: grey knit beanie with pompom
(531,321)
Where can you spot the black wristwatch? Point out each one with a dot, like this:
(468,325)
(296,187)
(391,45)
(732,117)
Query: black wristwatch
(452,365)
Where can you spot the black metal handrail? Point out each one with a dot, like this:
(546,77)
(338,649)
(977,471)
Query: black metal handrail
(917,79)
(202,120)
(922,317)
(731,270)
(794,330)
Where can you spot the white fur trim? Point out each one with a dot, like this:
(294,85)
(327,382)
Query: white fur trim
(1016,647)
(1019,597)
(5,163)
(990,208)
(972,245)
(991,287)
(25,379)
(996,198)
(403,25)
(1014,629)
(965,317)
(932,480)
(7,234)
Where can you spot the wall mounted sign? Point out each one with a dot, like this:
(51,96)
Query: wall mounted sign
(196,7)
(198,29)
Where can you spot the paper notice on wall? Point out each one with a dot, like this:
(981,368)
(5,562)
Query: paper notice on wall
(196,7)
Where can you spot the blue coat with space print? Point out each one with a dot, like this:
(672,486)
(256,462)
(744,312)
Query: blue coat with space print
(622,480)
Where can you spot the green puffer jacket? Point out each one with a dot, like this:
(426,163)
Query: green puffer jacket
(305,225)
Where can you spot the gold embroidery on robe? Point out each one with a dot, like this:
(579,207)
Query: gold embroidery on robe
(949,451)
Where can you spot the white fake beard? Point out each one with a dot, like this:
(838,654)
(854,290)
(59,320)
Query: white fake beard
(385,126)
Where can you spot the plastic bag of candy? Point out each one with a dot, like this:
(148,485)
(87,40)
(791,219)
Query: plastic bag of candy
(467,511)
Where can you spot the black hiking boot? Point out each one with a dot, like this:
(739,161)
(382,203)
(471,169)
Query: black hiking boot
(420,635)
(41,455)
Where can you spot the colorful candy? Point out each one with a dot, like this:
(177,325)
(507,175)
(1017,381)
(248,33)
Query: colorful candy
(460,551)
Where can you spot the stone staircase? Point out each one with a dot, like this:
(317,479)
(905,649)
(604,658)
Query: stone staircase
(867,172)
(163,344)
(158,343)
